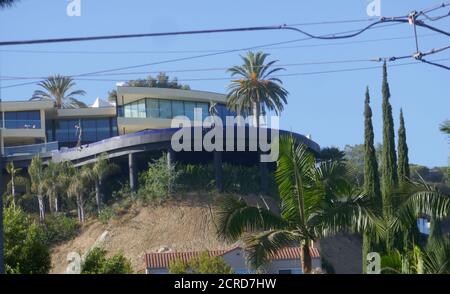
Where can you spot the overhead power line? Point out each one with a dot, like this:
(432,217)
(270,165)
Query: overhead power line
(208,69)
(194,57)
(311,73)
(226,30)
(269,47)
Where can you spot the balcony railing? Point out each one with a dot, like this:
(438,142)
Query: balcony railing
(21,124)
(34,149)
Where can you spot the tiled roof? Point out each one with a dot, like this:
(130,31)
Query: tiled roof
(162,260)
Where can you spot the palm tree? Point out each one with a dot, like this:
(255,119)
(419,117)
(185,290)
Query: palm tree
(316,201)
(57,89)
(100,170)
(434,258)
(78,187)
(256,90)
(52,185)
(14,174)
(37,175)
(398,230)
(445,127)
(7,3)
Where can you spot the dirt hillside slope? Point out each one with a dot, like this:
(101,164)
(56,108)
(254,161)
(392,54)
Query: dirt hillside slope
(180,226)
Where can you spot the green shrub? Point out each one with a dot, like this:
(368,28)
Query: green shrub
(203,264)
(59,228)
(26,250)
(158,181)
(196,176)
(96,262)
(105,215)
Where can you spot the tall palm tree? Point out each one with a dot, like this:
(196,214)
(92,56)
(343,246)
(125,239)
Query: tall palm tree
(100,170)
(256,90)
(316,201)
(57,89)
(37,175)
(52,185)
(445,127)
(7,3)
(78,188)
(14,174)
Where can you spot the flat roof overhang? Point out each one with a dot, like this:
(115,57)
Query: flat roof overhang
(131,94)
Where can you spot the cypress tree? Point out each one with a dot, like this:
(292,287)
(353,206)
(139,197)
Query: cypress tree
(389,158)
(403,160)
(371,176)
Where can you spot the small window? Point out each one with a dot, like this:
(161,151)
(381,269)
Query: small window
(189,109)
(152,108)
(205,109)
(291,271)
(165,108)
(177,108)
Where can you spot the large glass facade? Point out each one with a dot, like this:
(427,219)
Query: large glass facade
(163,108)
(67,131)
(22,119)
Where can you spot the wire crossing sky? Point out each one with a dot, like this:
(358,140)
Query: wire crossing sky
(326,78)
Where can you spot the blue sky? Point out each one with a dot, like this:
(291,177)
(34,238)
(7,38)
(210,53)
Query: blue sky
(327,106)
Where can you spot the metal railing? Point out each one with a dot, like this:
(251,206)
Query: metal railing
(34,149)
(21,124)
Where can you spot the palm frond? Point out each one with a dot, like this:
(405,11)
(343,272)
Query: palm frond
(235,216)
(261,246)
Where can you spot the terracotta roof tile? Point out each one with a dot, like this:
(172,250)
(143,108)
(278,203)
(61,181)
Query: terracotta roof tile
(162,260)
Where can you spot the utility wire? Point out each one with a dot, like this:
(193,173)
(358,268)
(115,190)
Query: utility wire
(196,56)
(196,32)
(280,75)
(207,69)
(268,47)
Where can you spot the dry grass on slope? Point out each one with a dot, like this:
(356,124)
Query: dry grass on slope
(180,225)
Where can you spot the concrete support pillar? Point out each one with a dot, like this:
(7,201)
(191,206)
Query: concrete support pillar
(218,170)
(133,172)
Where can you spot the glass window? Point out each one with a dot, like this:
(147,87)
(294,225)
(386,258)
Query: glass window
(89,130)
(205,109)
(165,109)
(34,115)
(10,120)
(114,126)
(141,108)
(177,108)
(127,110)
(102,129)
(189,109)
(134,109)
(73,130)
(152,108)
(61,131)
(120,111)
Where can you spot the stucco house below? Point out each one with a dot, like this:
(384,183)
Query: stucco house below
(286,261)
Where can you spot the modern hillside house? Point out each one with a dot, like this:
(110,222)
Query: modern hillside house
(136,109)
(136,124)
